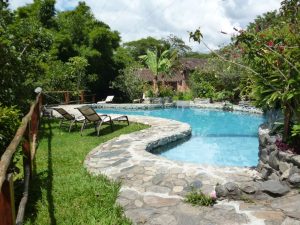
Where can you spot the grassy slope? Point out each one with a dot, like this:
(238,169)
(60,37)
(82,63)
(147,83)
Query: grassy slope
(62,192)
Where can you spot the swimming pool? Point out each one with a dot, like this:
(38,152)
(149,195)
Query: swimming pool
(218,137)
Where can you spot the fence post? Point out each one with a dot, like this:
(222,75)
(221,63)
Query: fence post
(67,97)
(26,150)
(81,97)
(7,202)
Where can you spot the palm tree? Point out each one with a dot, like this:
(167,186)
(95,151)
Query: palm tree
(159,64)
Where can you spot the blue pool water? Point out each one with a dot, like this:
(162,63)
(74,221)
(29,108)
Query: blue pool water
(218,137)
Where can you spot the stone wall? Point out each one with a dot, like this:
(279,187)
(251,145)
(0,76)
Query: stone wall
(275,164)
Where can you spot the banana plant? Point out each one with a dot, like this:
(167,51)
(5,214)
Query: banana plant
(159,64)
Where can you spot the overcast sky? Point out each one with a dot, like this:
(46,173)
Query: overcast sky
(136,19)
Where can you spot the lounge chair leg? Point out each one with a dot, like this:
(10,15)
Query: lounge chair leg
(98,128)
(70,128)
(82,127)
(111,125)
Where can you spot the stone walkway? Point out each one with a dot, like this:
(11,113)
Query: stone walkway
(153,187)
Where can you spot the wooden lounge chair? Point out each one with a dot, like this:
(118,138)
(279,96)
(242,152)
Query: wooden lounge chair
(91,116)
(68,119)
(108,99)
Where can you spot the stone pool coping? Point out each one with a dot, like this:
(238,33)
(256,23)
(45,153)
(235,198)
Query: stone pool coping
(153,187)
(216,106)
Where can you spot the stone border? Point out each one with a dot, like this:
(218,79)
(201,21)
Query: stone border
(153,187)
(217,106)
(275,164)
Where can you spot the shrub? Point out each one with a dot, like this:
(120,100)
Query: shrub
(166,91)
(199,198)
(183,96)
(129,84)
(9,122)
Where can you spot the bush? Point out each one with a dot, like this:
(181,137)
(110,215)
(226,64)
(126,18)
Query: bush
(9,123)
(166,91)
(129,84)
(199,198)
(186,96)
(223,95)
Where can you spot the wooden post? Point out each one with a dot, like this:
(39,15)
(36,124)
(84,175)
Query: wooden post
(94,98)
(27,150)
(7,202)
(81,97)
(67,97)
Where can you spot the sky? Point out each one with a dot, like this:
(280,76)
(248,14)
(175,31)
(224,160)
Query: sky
(136,19)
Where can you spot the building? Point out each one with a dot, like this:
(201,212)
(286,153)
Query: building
(179,78)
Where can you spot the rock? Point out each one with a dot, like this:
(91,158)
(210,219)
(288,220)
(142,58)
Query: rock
(164,219)
(231,187)
(264,155)
(283,156)
(265,173)
(294,179)
(138,203)
(221,191)
(294,169)
(273,176)
(273,160)
(156,201)
(158,179)
(290,221)
(283,166)
(270,148)
(289,205)
(177,189)
(285,174)
(275,188)
(296,160)
(196,184)
(248,189)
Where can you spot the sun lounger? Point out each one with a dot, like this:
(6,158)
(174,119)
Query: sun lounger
(68,119)
(91,116)
(108,99)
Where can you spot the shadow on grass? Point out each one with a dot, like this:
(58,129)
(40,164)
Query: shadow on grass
(105,129)
(43,180)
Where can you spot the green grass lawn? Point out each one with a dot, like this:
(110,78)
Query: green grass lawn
(61,191)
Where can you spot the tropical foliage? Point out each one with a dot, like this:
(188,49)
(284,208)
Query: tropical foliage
(269,51)
(159,64)
(66,50)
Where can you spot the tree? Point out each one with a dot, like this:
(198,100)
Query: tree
(140,47)
(159,64)
(129,84)
(177,44)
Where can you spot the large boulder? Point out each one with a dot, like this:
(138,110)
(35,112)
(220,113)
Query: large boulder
(274,188)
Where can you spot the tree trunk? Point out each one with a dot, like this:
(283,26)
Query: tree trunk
(155,86)
(287,118)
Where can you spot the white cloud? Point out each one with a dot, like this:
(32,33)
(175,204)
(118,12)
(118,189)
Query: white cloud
(135,19)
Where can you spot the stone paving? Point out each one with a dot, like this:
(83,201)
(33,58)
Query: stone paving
(153,188)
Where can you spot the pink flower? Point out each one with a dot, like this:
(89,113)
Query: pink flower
(213,195)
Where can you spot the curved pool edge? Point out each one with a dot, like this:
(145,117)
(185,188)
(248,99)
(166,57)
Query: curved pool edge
(153,186)
(141,106)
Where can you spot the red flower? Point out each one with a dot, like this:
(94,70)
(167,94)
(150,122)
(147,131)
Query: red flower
(270,43)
